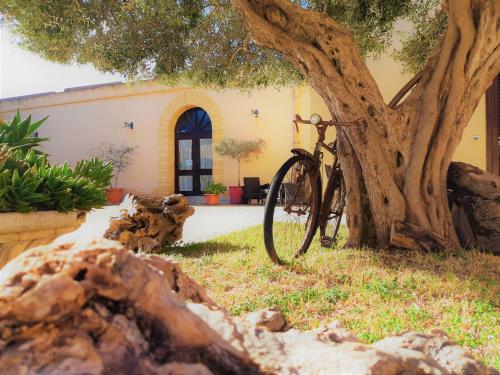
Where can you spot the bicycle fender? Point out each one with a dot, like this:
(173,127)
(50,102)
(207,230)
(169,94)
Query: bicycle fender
(305,153)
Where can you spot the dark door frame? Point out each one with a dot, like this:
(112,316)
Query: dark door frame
(196,170)
(492,126)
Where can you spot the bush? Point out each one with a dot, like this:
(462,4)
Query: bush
(120,157)
(215,188)
(28,182)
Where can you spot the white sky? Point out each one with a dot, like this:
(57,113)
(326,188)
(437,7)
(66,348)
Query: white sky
(24,73)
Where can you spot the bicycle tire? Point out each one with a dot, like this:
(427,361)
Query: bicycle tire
(335,194)
(272,201)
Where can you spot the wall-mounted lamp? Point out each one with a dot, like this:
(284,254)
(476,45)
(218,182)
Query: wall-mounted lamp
(129,125)
(254,113)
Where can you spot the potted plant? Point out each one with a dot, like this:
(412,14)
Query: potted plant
(239,150)
(212,192)
(40,201)
(121,157)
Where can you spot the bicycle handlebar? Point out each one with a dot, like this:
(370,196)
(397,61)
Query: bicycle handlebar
(357,122)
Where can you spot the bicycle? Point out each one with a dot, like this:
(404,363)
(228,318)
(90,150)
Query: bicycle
(295,207)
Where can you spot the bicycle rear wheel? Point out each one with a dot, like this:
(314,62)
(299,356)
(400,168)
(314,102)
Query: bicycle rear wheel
(336,194)
(292,210)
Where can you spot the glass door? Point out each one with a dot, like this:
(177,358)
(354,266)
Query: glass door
(193,152)
(185,165)
(205,162)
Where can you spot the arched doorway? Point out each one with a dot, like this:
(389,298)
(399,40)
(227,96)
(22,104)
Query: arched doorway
(193,152)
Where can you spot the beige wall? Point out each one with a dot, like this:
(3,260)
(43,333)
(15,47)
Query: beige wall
(81,119)
(78,124)
(273,125)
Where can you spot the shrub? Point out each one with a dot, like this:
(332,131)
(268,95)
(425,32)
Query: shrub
(28,182)
(120,157)
(215,188)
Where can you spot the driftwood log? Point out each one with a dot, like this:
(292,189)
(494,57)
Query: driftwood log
(100,309)
(474,198)
(151,223)
(410,236)
(475,206)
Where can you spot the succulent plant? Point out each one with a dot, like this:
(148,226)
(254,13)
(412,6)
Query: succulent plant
(19,133)
(28,182)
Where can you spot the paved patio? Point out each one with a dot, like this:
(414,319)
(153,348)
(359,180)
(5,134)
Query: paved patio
(206,223)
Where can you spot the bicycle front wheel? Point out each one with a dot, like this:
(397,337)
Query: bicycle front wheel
(292,210)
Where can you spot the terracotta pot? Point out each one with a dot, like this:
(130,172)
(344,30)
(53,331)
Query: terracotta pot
(115,195)
(19,231)
(236,194)
(211,199)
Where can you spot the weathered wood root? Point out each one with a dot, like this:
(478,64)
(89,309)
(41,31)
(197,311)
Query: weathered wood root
(475,206)
(101,309)
(474,197)
(410,236)
(152,224)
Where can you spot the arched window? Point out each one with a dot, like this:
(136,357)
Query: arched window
(193,152)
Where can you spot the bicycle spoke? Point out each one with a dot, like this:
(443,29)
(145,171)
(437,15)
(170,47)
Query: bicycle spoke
(335,215)
(292,212)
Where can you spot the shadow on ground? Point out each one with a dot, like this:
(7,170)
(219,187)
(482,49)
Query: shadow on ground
(194,250)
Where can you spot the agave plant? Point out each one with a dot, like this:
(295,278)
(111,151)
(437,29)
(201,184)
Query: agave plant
(19,133)
(28,182)
(96,169)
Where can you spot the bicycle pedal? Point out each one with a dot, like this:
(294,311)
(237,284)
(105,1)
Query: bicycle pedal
(327,242)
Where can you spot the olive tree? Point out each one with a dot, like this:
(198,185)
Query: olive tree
(396,166)
(240,150)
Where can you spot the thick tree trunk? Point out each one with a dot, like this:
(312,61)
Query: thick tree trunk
(396,166)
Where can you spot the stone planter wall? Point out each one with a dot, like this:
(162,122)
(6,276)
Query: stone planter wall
(19,232)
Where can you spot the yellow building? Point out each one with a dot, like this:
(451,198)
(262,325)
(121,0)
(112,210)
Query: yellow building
(81,118)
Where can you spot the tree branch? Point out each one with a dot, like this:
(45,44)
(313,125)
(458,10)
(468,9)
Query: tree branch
(318,46)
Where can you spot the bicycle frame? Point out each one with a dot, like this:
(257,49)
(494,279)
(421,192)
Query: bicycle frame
(316,157)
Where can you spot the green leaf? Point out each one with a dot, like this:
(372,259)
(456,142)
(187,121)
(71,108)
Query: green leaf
(36,125)
(23,128)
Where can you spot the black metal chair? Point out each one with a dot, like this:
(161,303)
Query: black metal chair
(252,189)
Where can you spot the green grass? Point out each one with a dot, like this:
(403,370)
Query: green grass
(372,292)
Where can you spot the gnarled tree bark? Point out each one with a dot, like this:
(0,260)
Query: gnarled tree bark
(396,166)
(475,206)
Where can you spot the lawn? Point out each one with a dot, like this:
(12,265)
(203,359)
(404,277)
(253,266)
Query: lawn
(372,292)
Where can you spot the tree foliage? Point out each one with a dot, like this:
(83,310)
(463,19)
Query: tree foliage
(240,150)
(203,42)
